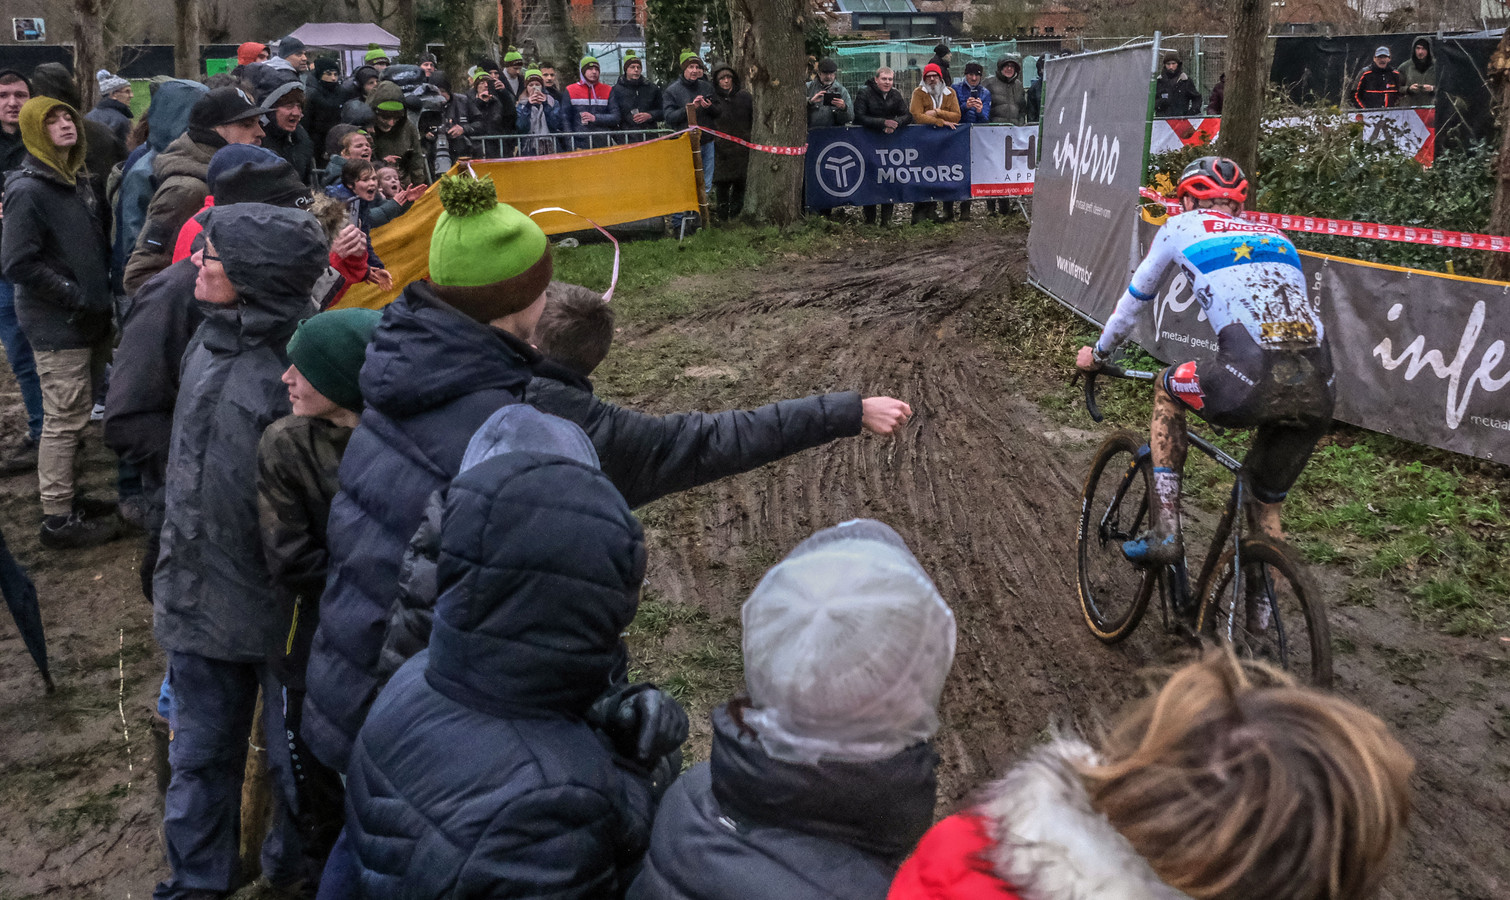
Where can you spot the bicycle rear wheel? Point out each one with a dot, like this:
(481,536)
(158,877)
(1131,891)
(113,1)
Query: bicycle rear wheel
(1114,508)
(1271,613)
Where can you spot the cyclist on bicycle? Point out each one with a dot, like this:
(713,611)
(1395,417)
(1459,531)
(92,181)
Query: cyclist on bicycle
(1272,370)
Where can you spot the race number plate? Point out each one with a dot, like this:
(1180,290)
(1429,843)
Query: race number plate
(1284,332)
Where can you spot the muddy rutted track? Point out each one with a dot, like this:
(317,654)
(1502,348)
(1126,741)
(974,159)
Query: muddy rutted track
(972,483)
(984,487)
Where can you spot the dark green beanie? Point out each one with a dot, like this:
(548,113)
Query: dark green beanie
(328,350)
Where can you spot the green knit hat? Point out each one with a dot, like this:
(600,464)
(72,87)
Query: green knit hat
(374,52)
(533,73)
(689,56)
(588,61)
(512,56)
(487,259)
(328,350)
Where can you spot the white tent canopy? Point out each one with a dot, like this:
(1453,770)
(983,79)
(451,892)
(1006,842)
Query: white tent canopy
(344,36)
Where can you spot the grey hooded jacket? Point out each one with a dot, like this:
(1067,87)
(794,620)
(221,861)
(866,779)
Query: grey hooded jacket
(212,594)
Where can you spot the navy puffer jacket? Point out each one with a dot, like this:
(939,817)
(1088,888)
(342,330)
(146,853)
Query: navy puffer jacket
(431,378)
(749,826)
(475,774)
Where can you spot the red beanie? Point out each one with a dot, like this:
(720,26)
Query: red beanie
(247,53)
(934,68)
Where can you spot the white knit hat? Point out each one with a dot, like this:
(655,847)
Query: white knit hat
(109,84)
(846,644)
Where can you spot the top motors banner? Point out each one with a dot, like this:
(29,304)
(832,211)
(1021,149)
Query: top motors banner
(1085,191)
(861,167)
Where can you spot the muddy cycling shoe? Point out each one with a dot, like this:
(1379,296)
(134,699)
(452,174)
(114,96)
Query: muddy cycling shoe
(1153,549)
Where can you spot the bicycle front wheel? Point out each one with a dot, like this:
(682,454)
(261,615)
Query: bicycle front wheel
(1114,507)
(1269,611)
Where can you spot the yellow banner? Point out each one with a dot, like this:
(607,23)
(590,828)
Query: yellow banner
(611,186)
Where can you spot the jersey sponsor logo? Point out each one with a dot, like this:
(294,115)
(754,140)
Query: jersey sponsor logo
(1231,226)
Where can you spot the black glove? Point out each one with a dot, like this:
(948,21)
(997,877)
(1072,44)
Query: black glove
(643,722)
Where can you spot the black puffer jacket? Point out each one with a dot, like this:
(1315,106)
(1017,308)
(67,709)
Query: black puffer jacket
(749,826)
(294,146)
(322,112)
(431,378)
(873,107)
(647,457)
(641,94)
(211,589)
(1175,94)
(114,115)
(54,250)
(475,774)
(678,94)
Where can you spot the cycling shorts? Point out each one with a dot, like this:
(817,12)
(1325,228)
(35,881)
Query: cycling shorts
(1287,394)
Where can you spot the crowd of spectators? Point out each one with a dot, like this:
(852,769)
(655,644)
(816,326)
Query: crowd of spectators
(430,574)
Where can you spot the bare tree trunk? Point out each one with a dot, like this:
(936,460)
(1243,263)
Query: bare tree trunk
(1499,213)
(460,34)
(88,49)
(1243,104)
(408,29)
(186,38)
(769,49)
(563,39)
(508,14)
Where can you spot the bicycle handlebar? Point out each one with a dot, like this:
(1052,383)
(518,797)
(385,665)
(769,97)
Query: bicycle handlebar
(1110,372)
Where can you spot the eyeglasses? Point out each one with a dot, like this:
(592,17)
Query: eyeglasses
(206,256)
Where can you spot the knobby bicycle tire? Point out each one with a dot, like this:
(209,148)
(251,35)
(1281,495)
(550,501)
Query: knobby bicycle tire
(1292,603)
(1113,507)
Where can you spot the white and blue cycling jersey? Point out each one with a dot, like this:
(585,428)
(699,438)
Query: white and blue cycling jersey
(1242,273)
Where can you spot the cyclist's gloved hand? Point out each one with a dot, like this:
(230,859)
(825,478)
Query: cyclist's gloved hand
(1086,360)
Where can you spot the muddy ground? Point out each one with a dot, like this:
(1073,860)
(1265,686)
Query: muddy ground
(983,484)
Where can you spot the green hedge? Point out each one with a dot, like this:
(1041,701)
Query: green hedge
(1325,168)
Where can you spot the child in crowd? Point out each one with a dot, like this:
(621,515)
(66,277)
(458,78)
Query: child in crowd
(394,199)
(354,144)
(822,779)
(297,459)
(1231,782)
(358,190)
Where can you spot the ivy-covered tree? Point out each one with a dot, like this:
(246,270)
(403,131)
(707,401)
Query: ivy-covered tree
(672,26)
(770,48)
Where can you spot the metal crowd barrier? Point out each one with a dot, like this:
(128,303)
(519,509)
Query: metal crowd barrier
(508,146)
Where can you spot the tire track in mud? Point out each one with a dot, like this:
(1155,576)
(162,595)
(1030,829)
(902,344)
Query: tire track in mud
(983,499)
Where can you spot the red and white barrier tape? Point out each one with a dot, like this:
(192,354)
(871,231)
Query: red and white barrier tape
(1435,237)
(762,148)
(613,281)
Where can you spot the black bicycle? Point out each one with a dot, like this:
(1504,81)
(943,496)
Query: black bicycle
(1251,592)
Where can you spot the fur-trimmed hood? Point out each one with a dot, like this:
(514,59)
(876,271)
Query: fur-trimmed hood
(1050,843)
(1033,836)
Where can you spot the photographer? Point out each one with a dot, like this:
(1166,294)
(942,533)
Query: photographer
(828,101)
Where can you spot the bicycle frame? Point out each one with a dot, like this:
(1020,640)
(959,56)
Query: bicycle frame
(1177,581)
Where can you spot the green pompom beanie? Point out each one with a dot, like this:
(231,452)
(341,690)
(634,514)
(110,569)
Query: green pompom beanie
(686,57)
(374,52)
(328,350)
(533,73)
(512,56)
(487,259)
(587,61)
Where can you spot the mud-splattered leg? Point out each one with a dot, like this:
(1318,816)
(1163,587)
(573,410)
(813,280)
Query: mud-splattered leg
(1169,446)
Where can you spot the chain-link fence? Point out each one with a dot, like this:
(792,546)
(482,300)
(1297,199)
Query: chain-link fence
(1205,57)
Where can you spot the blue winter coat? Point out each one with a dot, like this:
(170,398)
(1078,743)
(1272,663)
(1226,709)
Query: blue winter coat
(980,92)
(431,378)
(475,774)
(167,119)
(749,826)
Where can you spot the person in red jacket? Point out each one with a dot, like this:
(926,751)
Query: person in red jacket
(1379,85)
(592,104)
(1231,782)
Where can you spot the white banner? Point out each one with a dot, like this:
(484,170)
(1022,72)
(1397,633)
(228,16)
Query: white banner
(1411,131)
(1002,160)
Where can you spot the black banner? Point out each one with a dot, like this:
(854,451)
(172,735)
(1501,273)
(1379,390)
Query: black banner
(1085,190)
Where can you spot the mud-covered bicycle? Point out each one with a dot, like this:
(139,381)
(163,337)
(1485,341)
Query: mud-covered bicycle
(1251,593)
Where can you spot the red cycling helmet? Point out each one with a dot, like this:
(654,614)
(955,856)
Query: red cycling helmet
(1214,178)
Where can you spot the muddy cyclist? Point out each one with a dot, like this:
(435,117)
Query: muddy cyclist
(1272,370)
